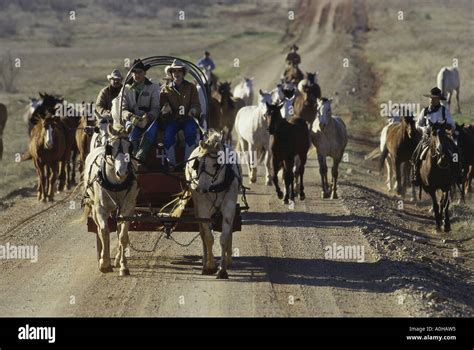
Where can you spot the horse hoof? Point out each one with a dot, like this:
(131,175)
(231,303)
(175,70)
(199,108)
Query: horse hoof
(334,196)
(117,263)
(252,180)
(50,199)
(269,183)
(124,272)
(447,228)
(43,200)
(286,201)
(280,195)
(302,196)
(106,269)
(209,271)
(222,275)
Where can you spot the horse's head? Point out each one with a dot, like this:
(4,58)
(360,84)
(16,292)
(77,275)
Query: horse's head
(224,88)
(207,166)
(273,116)
(311,77)
(323,111)
(409,122)
(118,149)
(265,97)
(48,104)
(441,145)
(48,123)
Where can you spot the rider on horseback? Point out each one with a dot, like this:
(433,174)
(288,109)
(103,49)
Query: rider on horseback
(293,59)
(434,113)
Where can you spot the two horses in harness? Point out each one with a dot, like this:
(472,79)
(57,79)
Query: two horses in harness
(111,188)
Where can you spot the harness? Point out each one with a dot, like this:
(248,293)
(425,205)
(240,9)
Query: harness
(106,184)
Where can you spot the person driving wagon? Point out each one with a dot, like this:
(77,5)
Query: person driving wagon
(140,110)
(180,106)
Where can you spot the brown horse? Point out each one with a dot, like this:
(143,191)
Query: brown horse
(437,173)
(293,74)
(3,121)
(402,139)
(229,106)
(306,103)
(70,120)
(47,146)
(289,143)
(84,135)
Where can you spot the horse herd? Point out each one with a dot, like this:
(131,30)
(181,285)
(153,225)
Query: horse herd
(277,131)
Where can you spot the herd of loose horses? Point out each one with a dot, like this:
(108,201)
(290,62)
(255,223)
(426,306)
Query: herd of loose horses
(277,131)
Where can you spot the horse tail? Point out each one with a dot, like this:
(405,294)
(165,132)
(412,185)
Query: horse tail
(383,156)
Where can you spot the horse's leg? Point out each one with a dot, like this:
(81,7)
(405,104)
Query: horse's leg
(447,222)
(388,165)
(323,171)
(252,164)
(301,173)
(204,247)
(288,176)
(398,174)
(104,235)
(268,164)
(62,175)
(436,209)
(39,172)
(335,174)
(275,169)
(209,265)
(123,243)
(226,241)
(73,167)
(52,180)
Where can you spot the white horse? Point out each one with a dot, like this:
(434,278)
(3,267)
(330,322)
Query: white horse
(214,187)
(253,136)
(244,90)
(329,136)
(110,184)
(448,81)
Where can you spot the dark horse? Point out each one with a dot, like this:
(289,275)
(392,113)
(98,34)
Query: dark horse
(402,139)
(289,143)
(466,146)
(437,173)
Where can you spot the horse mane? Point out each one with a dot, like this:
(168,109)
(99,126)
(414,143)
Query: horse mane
(212,142)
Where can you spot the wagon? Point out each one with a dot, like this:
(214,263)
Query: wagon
(164,203)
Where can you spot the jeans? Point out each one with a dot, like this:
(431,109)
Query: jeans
(150,132)
(188,126)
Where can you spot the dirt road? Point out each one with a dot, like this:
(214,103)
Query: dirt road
(280,267)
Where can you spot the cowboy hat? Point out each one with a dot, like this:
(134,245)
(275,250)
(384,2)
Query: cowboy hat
(114,75)
(294,47)
(177,64)
(436,92)
(138,64)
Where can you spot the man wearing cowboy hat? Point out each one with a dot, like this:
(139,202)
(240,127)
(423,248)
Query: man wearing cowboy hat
(293,59)
(434,113)
(107,94)
(180,98)
(140,109)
